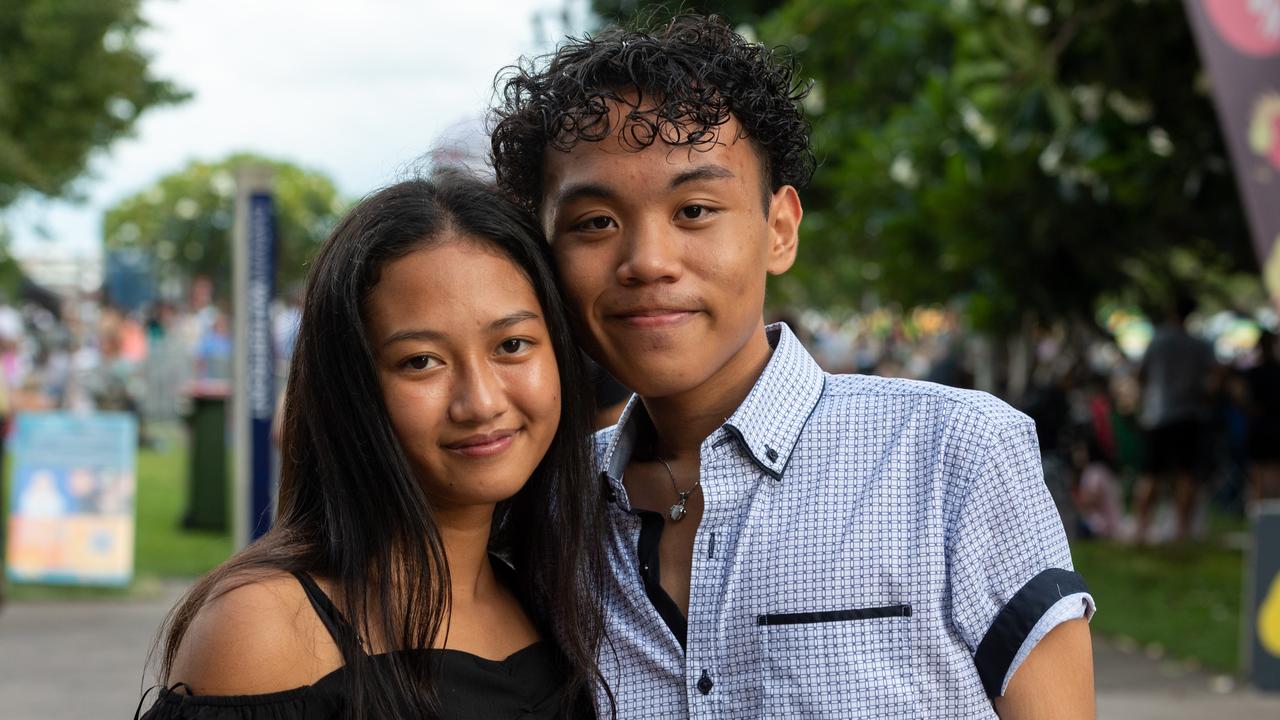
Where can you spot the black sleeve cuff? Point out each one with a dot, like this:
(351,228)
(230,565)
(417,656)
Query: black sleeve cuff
(1010,629)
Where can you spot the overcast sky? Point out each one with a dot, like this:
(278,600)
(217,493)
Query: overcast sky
(358,89)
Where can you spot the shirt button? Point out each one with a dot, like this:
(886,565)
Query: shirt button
(704,683)
(771,454)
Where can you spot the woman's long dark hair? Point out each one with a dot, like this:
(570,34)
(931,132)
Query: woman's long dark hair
(351,509)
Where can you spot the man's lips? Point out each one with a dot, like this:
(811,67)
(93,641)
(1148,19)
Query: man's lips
(653,317)
(483,445)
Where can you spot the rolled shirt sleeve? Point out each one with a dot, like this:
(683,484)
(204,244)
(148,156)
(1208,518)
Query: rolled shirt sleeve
(1009,565)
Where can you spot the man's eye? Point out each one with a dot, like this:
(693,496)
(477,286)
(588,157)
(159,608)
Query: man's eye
(692,212)
(512,346)
(599,222)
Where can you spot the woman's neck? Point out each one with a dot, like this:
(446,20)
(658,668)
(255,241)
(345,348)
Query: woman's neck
(464,532)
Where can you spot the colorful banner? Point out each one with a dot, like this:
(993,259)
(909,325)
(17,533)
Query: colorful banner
(1262,607)
(1239,43)
(71,505)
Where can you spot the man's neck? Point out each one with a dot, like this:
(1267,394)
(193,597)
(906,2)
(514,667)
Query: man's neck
(684,420)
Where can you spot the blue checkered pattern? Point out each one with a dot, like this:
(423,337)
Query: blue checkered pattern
(826,495)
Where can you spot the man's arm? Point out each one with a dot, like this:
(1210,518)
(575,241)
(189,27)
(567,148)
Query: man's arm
(1056,680)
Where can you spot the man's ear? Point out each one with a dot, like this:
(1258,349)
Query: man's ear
(785,213)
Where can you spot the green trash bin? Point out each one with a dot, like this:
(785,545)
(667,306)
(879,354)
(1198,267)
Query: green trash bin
(207,485)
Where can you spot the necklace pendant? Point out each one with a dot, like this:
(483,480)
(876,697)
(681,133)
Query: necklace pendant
(677,511)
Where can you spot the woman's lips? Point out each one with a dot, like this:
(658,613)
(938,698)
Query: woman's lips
(484,445)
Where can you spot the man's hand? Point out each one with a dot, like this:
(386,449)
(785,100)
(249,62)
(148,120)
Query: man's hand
(1056,680)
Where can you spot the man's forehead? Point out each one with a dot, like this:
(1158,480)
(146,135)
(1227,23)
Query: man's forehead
(641,134)
(631,124)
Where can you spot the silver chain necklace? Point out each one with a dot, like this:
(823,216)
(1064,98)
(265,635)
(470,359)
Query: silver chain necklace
(677,511)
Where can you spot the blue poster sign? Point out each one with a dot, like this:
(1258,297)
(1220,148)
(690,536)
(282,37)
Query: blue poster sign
(71,517)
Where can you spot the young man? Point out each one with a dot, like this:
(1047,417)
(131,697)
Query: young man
(783,543)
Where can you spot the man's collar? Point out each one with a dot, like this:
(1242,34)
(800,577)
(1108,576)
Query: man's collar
(770,420)
(768,423)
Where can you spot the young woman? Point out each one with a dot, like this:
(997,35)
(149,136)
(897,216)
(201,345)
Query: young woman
(435,430)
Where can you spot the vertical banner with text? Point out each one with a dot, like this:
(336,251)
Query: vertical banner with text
(1239,43)
(262,366)
(254,398)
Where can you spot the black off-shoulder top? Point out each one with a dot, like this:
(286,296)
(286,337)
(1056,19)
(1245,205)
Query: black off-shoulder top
(528,684)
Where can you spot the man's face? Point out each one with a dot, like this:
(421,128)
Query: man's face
(663,253)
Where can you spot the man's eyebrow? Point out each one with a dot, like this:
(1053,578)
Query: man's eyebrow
(501,323)
(702,172)
(585,190)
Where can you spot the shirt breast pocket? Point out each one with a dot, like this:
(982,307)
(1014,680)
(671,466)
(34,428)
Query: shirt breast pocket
(836,663)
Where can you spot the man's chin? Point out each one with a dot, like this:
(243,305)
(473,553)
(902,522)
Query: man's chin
(657,380)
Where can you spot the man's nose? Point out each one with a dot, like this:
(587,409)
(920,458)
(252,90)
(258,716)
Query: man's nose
(652,254)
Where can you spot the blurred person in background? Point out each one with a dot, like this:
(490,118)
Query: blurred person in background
(436,549)
(1177,375)
(1096,491)
(1261,403)
(167,366)
(213,350)
(1126,396)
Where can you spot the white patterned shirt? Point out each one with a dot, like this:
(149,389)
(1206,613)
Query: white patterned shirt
(869,548)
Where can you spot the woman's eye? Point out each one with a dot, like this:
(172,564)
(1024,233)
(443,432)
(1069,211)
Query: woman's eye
(419,362)
(513,346)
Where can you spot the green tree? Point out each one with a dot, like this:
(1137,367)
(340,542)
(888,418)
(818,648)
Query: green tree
(72,80)
(184,221)
(1032,157)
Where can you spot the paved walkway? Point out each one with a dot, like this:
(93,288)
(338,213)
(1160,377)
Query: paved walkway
(77,659)
(1132,686)
(72,660)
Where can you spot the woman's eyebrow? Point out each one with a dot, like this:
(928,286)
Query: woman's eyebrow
(505,321)
(514,318)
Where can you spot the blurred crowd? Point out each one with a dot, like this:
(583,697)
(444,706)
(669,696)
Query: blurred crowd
(87,354)
(1142,440)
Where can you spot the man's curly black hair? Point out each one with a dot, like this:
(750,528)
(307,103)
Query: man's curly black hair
(681,82)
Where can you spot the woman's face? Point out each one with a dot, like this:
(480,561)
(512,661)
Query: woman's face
(467,369)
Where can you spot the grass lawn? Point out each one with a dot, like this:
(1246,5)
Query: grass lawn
(163,549)
(1185,598)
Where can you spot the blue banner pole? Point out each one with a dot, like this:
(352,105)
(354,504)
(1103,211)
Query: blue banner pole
(261,365)
(253,399)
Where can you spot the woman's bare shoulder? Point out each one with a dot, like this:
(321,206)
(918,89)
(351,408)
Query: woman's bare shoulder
(260,636)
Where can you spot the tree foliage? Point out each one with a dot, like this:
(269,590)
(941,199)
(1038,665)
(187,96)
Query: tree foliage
(185,220)
(72,80)
(1029,156)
